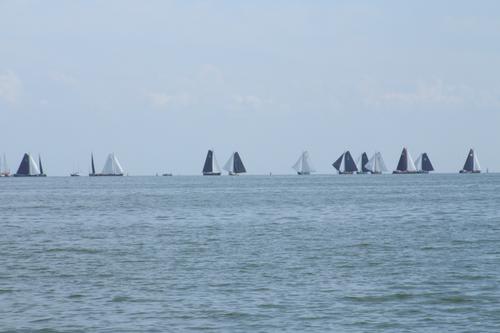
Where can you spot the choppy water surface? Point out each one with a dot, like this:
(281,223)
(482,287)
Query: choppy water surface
(247,254)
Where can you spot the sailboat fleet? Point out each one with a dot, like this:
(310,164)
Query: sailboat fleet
(345,165)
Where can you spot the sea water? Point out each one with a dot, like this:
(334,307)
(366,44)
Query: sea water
(408,253)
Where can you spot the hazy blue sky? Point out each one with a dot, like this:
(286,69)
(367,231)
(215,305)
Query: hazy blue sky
(160,82)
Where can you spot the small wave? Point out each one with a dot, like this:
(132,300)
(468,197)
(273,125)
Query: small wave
(380,298)
(74,250)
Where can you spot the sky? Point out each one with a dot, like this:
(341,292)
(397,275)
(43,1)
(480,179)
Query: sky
(160,82)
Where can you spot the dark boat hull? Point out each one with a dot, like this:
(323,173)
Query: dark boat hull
(105,174)
(40,175)
(396,172)
(346,172)
(466,171)
(303,173)
(211,174)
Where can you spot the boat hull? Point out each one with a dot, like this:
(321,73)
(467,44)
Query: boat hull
(303,173)
(362,173)
(397,172)
(211,174)
(466,171)
(105,174)
(346,172)
(40,175)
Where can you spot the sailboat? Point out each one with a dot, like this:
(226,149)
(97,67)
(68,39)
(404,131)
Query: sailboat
(234,166)
(423,164)
(406,164)
(112,167)
(361,164)
(29,168)
(4,167)
(211,167)
(471,163)
(303,165)
(376,164)
(345,164)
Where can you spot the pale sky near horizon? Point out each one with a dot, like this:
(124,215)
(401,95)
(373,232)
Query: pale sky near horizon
(160,82)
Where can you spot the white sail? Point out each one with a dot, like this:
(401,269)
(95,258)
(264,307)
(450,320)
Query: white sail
(418,162)
(298,165)
(342,164)
(303,164)
(477,167)
(33,167)
(229,166)
(411,164)
(376,164)
(215,165)
(112,166)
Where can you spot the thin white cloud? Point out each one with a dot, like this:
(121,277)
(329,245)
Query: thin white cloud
(431,93)
(162,100)
(10,87)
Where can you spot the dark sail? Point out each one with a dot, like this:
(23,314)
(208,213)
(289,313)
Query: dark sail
(364,160)
(338,162)
(349,164)
(40,164)
(426,163)
(24,167)
(208,162)
(92,163)
(403,161)
(469,163)
(238,166)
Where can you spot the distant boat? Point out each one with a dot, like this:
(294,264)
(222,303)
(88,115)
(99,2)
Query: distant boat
(75,174)
(112,167)
(423,164)
(376,164)
(406,164)
(4,167)
(303,165)
(234,166)
(361,164)
(211,167)
(167,175)
(471,163)
(29,168)
(345,164)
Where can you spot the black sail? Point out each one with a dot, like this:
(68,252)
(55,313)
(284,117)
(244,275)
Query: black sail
(364,161)
(24,167)
(426,163)
(338,162)
(469,163)
(238,166)
(349,164)
(403,161)
(40,164)
(208,162)
(92,163)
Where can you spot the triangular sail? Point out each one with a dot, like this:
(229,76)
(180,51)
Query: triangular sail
(215,165)
(208,166)
(298,165)
(338,162)
(92,163)
(349,165)
(477,167)
(426,164)
(403,161)
(376,164)
(229,166)
(364,160)
(469,162)
(112,166)
(28,166)
(238,166)
(40,164)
